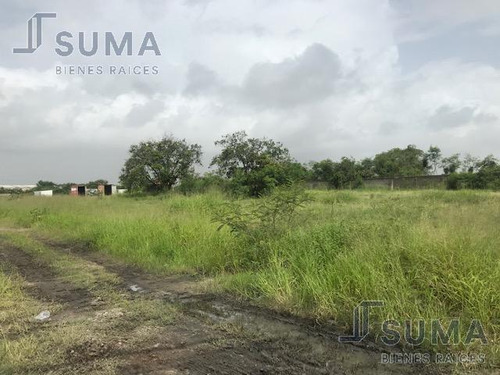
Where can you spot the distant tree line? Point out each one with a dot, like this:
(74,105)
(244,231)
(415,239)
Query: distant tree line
(468,172)
(255,166)
(10,191)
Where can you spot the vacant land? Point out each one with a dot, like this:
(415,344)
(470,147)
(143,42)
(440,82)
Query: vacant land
(428,255)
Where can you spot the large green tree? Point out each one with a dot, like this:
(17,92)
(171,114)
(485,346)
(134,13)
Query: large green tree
(400,162)
(243,154)
(323,170)
(157,166)
(367,168)
(347,173)
(255,165)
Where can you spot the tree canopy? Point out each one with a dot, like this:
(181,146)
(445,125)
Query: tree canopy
(157,166)
(255,165)
(400,162)
(344,174)
(242,154)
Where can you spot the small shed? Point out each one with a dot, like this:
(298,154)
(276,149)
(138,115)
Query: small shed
(78,190)
(82,190)
(110,189)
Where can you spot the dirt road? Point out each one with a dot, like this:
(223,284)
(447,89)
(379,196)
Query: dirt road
(125,321)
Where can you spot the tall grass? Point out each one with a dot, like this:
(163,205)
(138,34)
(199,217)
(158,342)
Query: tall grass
(427,255)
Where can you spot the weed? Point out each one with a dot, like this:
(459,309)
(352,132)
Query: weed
(37,214)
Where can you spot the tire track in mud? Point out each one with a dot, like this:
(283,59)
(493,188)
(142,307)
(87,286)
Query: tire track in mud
(215,334)
(42,283)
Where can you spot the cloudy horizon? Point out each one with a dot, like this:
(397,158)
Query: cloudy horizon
(327,79)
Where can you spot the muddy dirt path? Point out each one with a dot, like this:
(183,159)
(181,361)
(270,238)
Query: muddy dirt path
(210,334)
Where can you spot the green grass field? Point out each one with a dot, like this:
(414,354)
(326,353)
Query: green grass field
(426,254)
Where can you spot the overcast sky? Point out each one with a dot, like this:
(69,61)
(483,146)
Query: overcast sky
(328,78)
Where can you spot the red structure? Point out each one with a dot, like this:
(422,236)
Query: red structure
(78,190)
(74,191)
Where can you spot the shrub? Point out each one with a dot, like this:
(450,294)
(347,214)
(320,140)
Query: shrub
(486,178)
(264,217)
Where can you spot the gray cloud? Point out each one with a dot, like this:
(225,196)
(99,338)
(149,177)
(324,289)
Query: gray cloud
(201,80)
(142,114)
(388,127)
(13,11)
(307,78)
(232,27)
(464,42)
(485,118)
(448,117)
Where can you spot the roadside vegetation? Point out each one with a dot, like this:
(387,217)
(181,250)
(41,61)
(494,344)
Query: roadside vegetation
(426,254)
